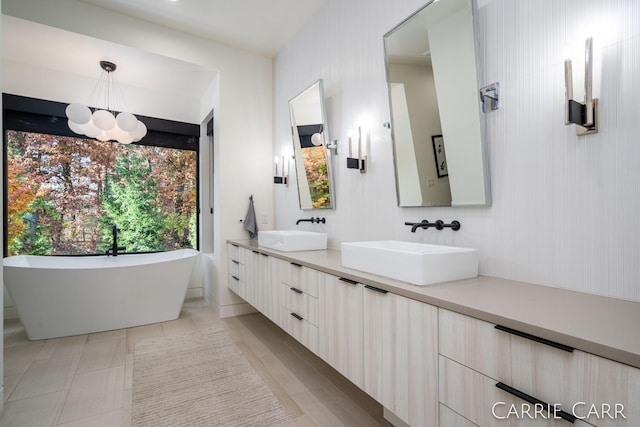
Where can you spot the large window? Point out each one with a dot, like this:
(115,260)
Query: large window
(63,193)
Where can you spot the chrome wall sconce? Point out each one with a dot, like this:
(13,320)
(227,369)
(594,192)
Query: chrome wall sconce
(283,176)
(585,116)
(360,162)
(490,97)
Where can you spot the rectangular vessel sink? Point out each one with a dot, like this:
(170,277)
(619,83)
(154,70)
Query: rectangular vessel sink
(292,240)
(416,263)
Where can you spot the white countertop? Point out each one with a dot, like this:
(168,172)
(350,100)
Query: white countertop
(603,326)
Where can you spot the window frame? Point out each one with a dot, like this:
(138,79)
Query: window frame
(25,114)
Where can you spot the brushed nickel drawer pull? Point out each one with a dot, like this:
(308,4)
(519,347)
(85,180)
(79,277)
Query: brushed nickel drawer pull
(537,402)
(373,288)
(535,338)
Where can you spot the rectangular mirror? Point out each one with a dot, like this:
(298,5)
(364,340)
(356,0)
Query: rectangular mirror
(310,136)
(440,152)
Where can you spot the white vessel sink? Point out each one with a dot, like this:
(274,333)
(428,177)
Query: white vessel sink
(292,240)
(417,263)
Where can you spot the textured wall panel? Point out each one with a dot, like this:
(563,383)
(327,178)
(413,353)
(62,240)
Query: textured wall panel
(565,208)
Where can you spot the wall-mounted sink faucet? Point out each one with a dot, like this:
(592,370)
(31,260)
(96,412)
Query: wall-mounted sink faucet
(438,225)
(114,242)
(312,220)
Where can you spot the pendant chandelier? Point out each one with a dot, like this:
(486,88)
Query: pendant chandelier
(102,124)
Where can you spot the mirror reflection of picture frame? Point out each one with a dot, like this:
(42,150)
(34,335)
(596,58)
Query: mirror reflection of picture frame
(440,155)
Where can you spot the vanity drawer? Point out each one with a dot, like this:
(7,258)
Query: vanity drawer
(232,251)
(300,277)
(551,374)
(299,328)
(238,286)
(299,302)
(449,418)
(477,399)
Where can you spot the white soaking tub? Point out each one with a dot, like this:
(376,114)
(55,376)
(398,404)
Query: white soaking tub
(58,296)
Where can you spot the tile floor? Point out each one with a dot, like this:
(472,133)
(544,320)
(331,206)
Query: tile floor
(86,380)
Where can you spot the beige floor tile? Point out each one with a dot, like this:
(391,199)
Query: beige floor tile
(108,419)
(179,326)
(10,382)
(141,332)
(128,371)
(100,392)
(94,393)
(108,335)
(46,376)
(65,346)
(17,359)
(103,354)
(36,411)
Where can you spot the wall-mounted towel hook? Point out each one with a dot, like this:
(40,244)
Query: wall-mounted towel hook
(584,115)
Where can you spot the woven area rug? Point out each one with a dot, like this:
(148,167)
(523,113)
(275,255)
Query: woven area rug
(200,379)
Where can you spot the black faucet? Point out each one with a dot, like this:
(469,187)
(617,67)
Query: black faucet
(312,220)
(114,242)
(438,225)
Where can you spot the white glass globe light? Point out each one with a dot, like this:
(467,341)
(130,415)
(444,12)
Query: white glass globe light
(316,139)
(127,122)
(78,113)
(90,130)
(125,138)
(140,132)
(116,133)
(104,136)
(75,127)
(103,120)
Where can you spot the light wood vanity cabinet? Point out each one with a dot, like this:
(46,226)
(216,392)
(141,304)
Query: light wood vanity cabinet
(299,298)
(475,356)
(237,269)
(341,326)
(401,356)
(430,366)
(253,278)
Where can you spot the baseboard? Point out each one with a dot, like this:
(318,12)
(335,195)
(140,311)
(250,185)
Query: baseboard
(194,293)
(10,313)
(236,310)
(393,418)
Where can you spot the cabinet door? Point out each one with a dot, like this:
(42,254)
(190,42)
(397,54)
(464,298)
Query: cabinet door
(400,356)
(476,397)
(587,386)
(341,326)
(253,277)
(271,296)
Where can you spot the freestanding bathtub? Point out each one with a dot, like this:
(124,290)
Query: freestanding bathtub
(58,296)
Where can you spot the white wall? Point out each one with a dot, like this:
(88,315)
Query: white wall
(565,208)
(240,99)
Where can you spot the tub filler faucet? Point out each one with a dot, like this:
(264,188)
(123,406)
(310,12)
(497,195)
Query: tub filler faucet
(114,242)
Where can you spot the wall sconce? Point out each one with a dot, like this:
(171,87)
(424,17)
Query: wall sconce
(283,177)
(584,115)
(361,161)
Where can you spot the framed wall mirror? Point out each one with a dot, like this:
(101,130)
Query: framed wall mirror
(310,136)
(440,152)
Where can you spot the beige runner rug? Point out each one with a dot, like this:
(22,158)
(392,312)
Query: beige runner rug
(200,379)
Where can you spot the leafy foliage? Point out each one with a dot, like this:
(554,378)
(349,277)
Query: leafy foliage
(315,164)
(64,193)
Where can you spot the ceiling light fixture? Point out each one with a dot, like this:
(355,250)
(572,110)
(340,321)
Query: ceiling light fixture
(102,124)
